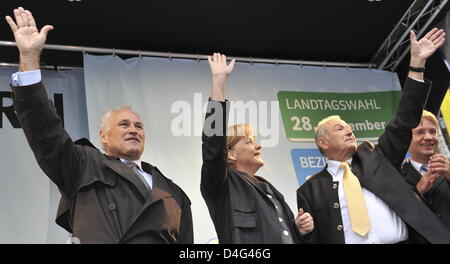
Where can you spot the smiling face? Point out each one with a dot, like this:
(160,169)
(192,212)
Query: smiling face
(338,141)
(123,135)
(244,153)
(424,141)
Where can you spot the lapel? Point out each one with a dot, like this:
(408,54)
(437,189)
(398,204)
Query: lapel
(127,173)
(356,168)
(277,194)
(252,180)
(372,169)
(411,175)
(378,176)
(326,175)
(161,189)
(280,198)
(365,171)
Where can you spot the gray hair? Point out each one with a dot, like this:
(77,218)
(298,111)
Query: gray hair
(104,123)
(320,130)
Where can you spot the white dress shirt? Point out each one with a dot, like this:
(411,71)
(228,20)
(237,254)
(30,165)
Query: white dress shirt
(26,78)
(417,166)
(386,226)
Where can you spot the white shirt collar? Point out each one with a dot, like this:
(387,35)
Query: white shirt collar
(416,165)
(334,165)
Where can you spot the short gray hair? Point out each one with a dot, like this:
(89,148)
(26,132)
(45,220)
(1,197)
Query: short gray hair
(107,115)
(320,130)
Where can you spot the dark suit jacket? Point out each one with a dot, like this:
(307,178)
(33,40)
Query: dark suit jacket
(102,200)
(378,170)
(236,202)
(437,199)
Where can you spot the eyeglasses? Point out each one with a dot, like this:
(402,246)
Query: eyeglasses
(422,132)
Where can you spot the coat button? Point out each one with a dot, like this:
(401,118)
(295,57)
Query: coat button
(335,185)
(112,206)
(340,228)
(108,179)
(335,205)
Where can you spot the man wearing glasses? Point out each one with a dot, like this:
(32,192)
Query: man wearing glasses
(426,170)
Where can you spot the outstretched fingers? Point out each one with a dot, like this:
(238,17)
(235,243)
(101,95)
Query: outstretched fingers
(210,61)
(216,57)
(24,17)
(436,34)
(430,33)
(45,30)
(11,23)
(438,42)
(18,18)
(224,59)
(31,21)
(231,65)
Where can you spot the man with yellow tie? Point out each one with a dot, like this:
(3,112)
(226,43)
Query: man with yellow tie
(360,197)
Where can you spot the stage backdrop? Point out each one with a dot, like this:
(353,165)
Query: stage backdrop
(28,200)
(283,102)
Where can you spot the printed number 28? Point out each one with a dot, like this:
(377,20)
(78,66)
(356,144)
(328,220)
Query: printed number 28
(301,123)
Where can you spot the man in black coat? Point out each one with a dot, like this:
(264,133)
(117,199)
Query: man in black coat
(388,210)
(112,198)
(427,171)
(245,208)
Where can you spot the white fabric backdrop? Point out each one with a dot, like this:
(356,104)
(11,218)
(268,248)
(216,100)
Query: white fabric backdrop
(162,90)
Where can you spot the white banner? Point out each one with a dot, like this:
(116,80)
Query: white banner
(171,96)
(28,199)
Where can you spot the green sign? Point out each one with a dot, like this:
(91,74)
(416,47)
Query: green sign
(367,113)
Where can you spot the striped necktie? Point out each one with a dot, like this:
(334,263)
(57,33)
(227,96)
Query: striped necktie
(424,167)
(136,171)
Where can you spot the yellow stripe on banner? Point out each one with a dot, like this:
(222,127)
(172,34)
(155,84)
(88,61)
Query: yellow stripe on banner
(445,109)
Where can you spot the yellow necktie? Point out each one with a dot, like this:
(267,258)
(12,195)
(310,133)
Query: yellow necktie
(357,210)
